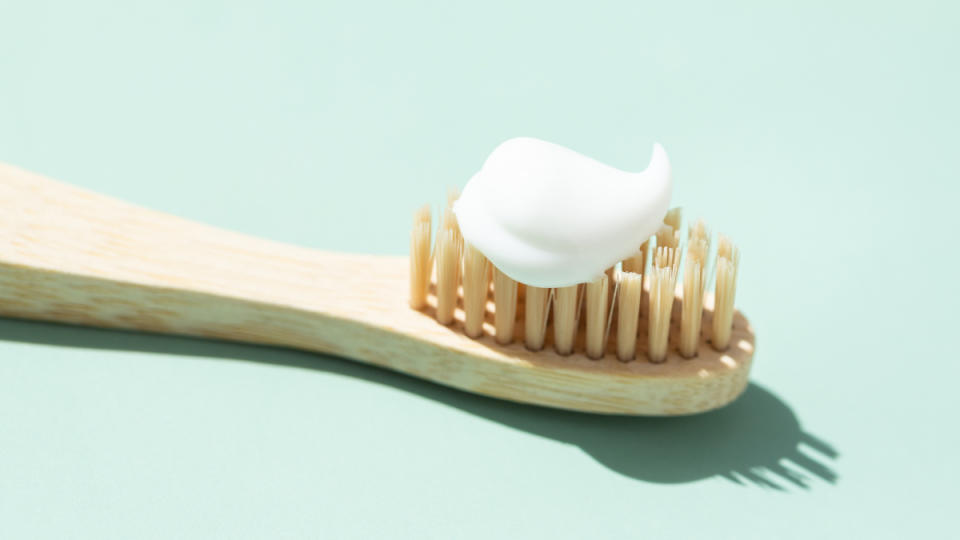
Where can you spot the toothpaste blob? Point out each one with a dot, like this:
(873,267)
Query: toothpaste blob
(550,217)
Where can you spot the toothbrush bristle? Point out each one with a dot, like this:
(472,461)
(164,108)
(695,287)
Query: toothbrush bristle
(420,264)
(663,284)
(449,223)
(699,230)
(728,261)
(535,312)
(691,310)
(673,218)
(694,284)
(616,302)
(698,242)
(669,233)
(475,288)
(448,270)
(565,304)
(628,314)
(638,262)
(505,302)
(596,307)
(667,257)
(725,247)
(667,236)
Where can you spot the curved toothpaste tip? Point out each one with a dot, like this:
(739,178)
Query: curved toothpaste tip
(659,165)
(659,173)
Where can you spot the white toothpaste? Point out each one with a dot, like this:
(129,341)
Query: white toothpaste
(550,217)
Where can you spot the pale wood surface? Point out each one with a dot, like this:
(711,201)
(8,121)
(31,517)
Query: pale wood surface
(69,255)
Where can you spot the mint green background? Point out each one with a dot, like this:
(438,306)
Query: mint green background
(821,136)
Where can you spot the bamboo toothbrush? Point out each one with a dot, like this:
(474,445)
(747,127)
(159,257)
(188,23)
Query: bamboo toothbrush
(72,256)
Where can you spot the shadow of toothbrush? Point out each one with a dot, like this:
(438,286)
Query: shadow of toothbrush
(756,440)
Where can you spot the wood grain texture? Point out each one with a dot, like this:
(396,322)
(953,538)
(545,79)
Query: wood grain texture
(72,256)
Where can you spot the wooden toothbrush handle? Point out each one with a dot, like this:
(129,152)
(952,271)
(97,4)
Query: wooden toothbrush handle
(72,256)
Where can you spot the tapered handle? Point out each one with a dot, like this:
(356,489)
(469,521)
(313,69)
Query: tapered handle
(69,255)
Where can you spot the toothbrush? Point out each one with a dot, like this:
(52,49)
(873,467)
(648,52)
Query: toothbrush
(71,256)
